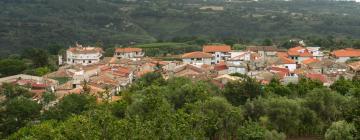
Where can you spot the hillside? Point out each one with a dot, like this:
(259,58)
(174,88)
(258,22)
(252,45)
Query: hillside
(40,23)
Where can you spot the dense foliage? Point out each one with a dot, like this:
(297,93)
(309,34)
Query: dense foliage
(54,23)
(178,108)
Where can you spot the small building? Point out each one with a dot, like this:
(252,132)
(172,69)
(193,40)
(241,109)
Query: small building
(83,55)
(283,62)
(345,54)
(197,58)
(189,71)
(220,52)
(299,54)
(316,52)
(129,53)
(264,51)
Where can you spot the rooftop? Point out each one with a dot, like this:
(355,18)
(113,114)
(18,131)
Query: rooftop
(80,49)
(197,55)
(216,48)
(348,52)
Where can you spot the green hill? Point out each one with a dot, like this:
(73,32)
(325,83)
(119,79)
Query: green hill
(41,23)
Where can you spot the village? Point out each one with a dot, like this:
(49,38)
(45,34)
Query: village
(85,68)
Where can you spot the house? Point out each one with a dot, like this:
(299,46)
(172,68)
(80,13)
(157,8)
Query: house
(263,51)
(219,52)
(327,66)
(299,54)
(240,62)
(316,52)
(221,68)
(129,53)
(310,60)
(283,62)
(197,58)
(319,77)
(34,84)
(284,74)
(224,79)
(355,67)
(83,55)
(189,71)
(345,54)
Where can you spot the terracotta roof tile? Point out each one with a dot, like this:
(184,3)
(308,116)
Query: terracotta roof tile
(299,51)
(315,76)
(284,60)
(220,67)
(197,55)
(282,54)
(310,60)
(349,52)
(216,48)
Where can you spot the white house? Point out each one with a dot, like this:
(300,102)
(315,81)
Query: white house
(130,53)
(299,54)
(283,62)
(239,61)
(197,58)
(345,54)
(315,51)
(220,52)
(83,55)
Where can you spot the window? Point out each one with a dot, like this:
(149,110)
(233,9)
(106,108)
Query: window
(198,59)
(287,67)
(83,61)
(89,61)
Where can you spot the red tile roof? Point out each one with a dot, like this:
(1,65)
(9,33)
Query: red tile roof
(216,48)
(285,70)
(348,52)
(197,55)
(220,67)
(315,76)
(306,53)
(282,54)
(310,60)
(285,60)
(296,51)
(127,50)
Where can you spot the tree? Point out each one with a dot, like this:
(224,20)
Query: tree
(39,57)
(42,131)
(47,97)
(342,85)
(18,112)
(188,93)
(218,118)
(274,135)
(328,105)
(12,91)
(238,92)
(340,130)
(251,131)
(267,42)
(276,87)
(11,67)
(42,71)
(70,104)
